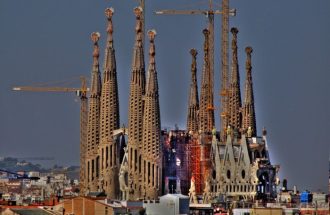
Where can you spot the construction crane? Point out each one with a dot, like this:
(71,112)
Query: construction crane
(82,93)
(226,12)
(224,70)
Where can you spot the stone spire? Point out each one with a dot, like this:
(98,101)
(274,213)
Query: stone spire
(235,116)
(193,105)
(152,155)
(206,111)
(96,77)
(249,116)
(94,120)
(135,111)
(109,119)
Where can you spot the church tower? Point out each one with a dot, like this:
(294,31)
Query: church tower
(249,116)
(152,154)
(92,158)
(109,117)
(206,111)
(135,111)
(193,104)
(235,116)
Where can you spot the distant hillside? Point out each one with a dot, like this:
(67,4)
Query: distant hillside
(14,165)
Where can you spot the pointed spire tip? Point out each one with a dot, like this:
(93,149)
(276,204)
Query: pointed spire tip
(95,36)
(109,12)
(138,11)
(248,50)
(152,34)
(206,31)
(234,30)
(193,52)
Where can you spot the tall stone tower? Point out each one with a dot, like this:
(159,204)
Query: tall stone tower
(206,111)
(249,116)
(135,112)
(193,104)
(92,158)
(235,116)
(109,118)
(152,153)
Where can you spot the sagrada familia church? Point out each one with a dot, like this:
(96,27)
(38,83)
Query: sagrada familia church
(138,162)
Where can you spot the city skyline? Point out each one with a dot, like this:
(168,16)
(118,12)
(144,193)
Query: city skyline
(52,44)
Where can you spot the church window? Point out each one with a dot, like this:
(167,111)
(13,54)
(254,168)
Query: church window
(228,174)
(243,173)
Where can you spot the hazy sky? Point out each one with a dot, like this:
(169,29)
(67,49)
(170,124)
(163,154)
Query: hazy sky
(49,40)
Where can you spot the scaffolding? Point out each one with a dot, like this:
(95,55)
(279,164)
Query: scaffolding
(195,164)
(199,149)
(186,156)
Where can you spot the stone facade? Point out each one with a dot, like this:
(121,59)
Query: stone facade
(135,112)
(93,128)
(152,150)
(109,118)
(242,164)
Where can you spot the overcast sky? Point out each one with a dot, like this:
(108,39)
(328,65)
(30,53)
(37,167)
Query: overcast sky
(49,40)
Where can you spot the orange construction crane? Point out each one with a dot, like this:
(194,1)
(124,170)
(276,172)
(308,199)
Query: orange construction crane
(82,93)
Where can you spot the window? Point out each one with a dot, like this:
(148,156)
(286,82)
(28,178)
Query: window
(228,174)
(243,173)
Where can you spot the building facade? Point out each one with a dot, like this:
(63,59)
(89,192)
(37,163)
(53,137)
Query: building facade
(141,162)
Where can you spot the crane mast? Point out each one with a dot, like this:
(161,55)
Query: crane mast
(224,69)
(83,133)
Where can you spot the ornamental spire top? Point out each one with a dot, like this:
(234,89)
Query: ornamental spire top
(152,35)
(109,66)
(96,52)
(138,28)
(109,13)
(152,83)
(96,80)
(138,59)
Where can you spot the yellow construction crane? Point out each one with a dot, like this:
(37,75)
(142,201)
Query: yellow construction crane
(225,12)
(82,93)
(224,70)
(210,15)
